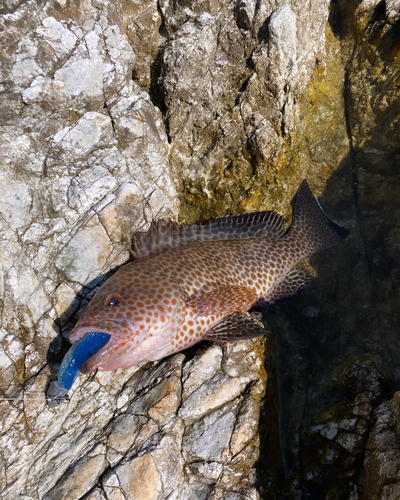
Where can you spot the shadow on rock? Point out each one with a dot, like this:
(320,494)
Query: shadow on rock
(336,362)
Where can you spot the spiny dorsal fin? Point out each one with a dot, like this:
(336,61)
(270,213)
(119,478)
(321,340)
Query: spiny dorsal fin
(167,234)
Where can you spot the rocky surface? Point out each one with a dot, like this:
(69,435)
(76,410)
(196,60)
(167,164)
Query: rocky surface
(115,113)
(380,477)
(149,438)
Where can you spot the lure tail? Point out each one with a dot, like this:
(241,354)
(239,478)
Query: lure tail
(86,347)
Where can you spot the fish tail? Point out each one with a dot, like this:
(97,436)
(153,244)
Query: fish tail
(311,230)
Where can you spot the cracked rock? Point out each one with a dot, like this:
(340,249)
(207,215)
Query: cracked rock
(114,114)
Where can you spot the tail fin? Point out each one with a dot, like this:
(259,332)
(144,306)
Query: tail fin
(311,230)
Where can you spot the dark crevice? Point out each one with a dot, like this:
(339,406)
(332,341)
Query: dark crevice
(263,35)
(335,19)
(162,30)
(377,21)
(241,90)
(391,43)
(110,115)
(156,91)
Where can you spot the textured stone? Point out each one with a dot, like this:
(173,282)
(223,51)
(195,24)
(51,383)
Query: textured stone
(246,426)
(203,367)
(282,53)
(116,113)
(209,439)
(140,478)
(381,469)
(245,10)
(89,249)
(82,477)
(97,494)
(212,394)
(125,430)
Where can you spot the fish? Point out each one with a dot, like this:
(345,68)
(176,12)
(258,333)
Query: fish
(188,283)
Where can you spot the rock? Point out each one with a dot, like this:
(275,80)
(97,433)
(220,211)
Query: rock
(158,473)
(282,32)
(200,402)
(202,368)
(117,113)
(143,23)
(392,11)
(89,245)
(335,439)
(208,439)
(83,476)
(144,437)
(245,10)
(380,472)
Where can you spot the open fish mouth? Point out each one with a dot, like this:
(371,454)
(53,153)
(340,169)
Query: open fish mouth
(110,329)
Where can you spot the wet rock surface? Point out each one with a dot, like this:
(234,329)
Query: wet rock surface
(116,113)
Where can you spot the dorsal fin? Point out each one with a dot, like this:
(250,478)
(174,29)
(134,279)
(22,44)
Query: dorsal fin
(167,234)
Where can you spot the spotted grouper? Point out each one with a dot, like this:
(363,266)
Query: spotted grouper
(188,283)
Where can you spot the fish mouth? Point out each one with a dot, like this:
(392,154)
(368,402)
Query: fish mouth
(78,332)
(101,357)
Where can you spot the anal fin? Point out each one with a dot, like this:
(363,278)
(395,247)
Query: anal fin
(294,282)
(216,298)
(236,326)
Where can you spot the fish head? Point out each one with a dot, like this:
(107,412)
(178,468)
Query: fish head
(141,313)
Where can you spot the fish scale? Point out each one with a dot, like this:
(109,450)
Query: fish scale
(188,283)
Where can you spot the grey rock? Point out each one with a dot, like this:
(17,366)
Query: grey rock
(282,53)
(200,402)
(202,368)
(82,477)
(209,439)
(209,470)
(117,113)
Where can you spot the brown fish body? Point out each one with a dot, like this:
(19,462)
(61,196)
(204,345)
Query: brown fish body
(195,282)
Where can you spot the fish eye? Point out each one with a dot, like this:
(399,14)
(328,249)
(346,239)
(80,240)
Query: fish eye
(112,300)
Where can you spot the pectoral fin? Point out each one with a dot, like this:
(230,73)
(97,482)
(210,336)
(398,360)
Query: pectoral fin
(236,326)
(218,298)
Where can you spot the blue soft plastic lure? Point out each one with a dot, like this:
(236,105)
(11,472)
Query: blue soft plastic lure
(80,352)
